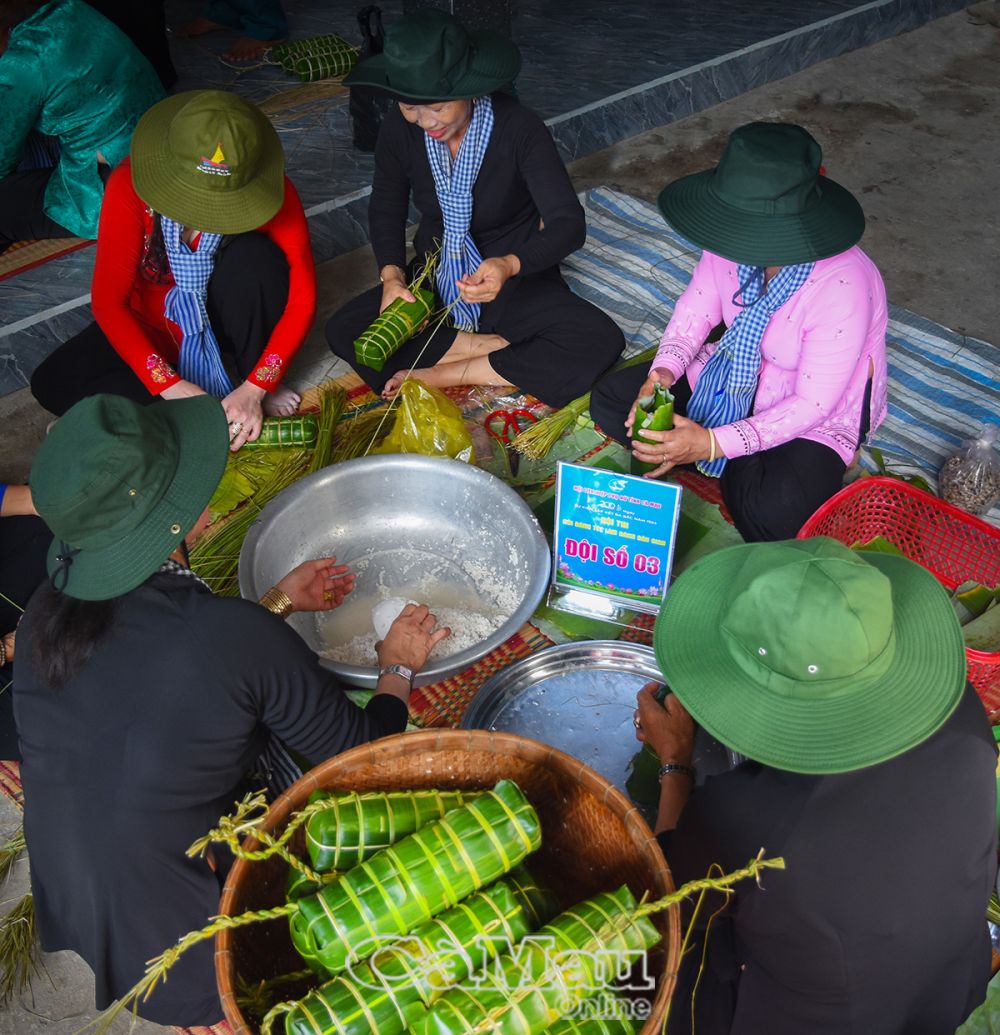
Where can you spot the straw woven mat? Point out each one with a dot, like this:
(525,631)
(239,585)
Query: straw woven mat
(24,255)
(441,704)
(222,1028)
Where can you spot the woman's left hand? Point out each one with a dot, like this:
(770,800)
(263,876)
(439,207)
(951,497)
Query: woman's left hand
(484,285)
(244,408)
(317,585)
(667,728)
(685,444)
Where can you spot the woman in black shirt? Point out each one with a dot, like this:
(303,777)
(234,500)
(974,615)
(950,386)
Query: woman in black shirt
(488,183)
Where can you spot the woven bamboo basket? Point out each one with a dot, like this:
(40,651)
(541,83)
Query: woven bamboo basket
(593,840)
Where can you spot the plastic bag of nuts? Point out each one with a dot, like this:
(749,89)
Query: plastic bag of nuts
(970,478)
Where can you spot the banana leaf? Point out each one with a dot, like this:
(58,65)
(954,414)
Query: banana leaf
(416,878)
(549,974)
(606,1013)
(356,826)
(387,994)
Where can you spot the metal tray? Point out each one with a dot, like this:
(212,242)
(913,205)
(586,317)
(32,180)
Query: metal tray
(580,698)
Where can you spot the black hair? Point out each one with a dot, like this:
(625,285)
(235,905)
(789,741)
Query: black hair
(154,263)
(67,632)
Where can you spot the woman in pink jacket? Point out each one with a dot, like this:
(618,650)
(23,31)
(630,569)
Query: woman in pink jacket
(777,406)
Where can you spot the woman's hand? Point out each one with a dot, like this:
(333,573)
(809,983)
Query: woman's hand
(484,285)
(181,390)
(244,408)
(685,444)
(657,376)
(16,501)
(317,585)
(394,286)
(666,728)
(8,642)
(410,638)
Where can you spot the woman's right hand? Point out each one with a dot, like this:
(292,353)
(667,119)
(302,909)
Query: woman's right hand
(410,638)
(657,376)
(181,390)
(394,286)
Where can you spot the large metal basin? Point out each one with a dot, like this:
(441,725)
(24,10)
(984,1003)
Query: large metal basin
(402,521)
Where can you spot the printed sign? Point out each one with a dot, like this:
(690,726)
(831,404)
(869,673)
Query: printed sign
(614,535)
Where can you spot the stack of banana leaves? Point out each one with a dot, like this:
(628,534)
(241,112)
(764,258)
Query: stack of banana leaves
(416,911)
(288,448)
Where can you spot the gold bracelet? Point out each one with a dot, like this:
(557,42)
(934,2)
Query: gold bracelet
(711,438)
(278,602)
(3,650)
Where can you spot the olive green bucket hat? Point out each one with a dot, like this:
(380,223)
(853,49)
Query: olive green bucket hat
(209,160)
(120,485)
(811,657)
(428,55)
(767,202)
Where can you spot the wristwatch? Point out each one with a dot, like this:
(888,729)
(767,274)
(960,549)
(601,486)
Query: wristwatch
(397,670)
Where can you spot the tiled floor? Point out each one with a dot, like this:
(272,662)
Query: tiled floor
(599,72)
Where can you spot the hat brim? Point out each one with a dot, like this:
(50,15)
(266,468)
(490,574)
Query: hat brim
(201,431)
(831,225)
(154,176)
(833,735)
(496,62)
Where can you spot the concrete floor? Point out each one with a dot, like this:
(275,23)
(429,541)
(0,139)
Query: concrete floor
(908,124)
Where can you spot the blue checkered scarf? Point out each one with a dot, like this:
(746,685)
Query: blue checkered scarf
(199,361)
(453,182)
(728,382)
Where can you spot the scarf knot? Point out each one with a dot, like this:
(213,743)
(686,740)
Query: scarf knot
(199,361)
(453,182)
(728,382)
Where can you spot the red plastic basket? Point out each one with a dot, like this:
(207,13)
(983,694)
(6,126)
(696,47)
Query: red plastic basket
(952,545)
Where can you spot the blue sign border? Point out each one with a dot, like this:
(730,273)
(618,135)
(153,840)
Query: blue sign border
(614,535)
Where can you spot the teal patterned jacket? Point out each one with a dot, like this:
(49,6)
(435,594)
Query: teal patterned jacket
(69,73)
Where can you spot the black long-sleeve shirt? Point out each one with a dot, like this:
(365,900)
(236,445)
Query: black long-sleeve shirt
(140,753)
(876,926)
(522,202)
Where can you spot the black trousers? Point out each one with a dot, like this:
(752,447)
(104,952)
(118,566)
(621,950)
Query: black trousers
(24,543)
(247,294)
(769,494)
(559,343)
(22,209)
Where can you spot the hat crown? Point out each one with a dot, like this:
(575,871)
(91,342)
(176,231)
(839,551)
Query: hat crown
(215,140)
(808,618)
(426,53)
(104,466)
(769,168)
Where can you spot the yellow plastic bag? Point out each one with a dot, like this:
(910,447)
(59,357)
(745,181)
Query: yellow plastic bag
(427,422)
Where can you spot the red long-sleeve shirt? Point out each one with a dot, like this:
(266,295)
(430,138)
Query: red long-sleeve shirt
(128,301)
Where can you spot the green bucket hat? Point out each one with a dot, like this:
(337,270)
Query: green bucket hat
(209,160)
(767,202)
(428,55)
(811,657)
(120,485)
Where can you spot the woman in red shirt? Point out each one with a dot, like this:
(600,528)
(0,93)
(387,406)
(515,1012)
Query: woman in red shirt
(202,251)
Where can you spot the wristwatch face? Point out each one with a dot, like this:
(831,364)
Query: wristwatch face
(399,670)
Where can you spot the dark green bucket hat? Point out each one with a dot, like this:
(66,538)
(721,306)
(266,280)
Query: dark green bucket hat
(209,160)
(120,485)
(428,55)
(811,657)
(767,202)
